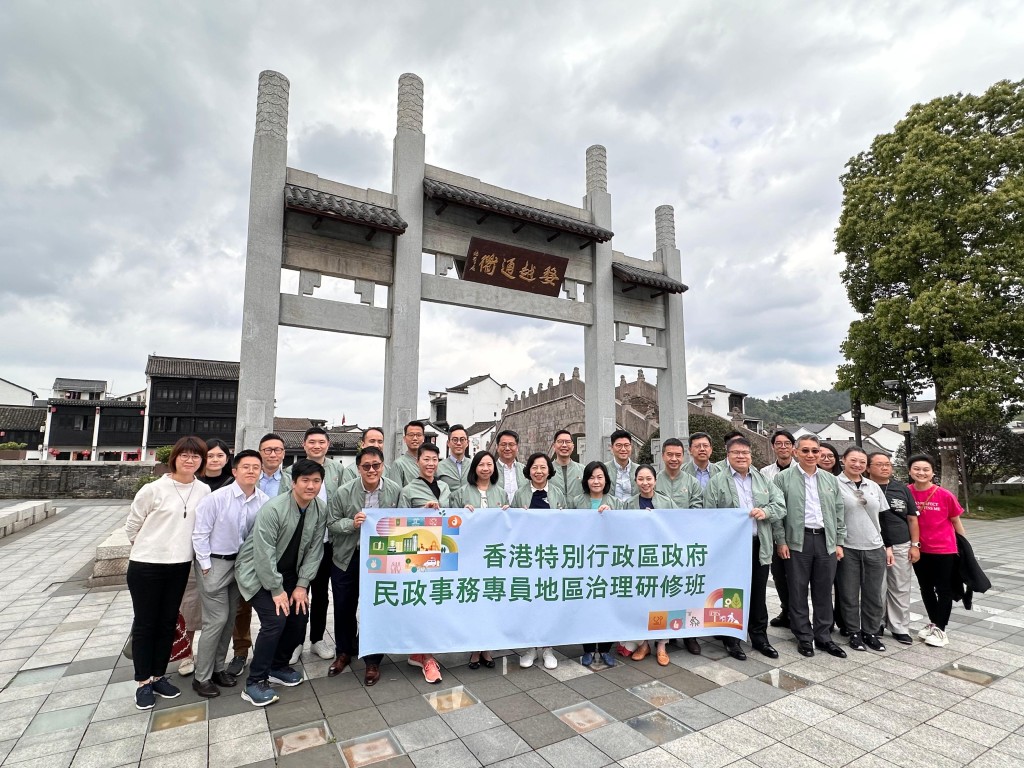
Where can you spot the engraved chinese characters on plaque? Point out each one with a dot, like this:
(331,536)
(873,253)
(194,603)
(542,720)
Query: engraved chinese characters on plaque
(509,266)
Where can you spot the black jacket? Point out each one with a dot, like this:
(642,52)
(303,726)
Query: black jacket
(968,577)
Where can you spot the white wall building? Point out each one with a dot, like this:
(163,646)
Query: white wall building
(13,394)
(479,399)
(880,414)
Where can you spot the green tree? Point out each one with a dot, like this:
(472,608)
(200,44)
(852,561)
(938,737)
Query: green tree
(932,229)
(990,451)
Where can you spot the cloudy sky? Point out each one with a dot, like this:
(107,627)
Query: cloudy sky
(126,136)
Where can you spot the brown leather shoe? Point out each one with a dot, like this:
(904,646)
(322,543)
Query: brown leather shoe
(372,675)
(338,665)
(641,652)
(692,645)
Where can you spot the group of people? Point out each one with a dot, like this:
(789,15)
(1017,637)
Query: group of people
(281,542)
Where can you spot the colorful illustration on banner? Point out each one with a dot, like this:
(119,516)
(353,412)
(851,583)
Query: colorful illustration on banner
(414,545)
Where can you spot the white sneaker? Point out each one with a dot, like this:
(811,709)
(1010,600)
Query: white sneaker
(923,634)
(323,649)
(937,639)
(550,662)
(527,657)
(295,656)
(187,666)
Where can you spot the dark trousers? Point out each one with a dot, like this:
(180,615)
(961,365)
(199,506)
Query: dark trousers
(758,614)
(934,575)
(815,568)
(241,637)
(279,635)
(345,585)
(319,589)
(156,590)
(597,647)
(778,568)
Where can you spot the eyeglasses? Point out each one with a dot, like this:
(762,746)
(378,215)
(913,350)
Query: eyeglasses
(507,445)
(374,467)
(190,457)
(782,444)
(563,442)
(740,453)
(271,451)
(814,451)
(827,456)
(458,439)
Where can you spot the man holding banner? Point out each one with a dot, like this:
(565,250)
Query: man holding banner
(742,486)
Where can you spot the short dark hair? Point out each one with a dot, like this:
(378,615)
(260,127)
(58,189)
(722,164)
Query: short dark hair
(456,428)
(533,458)
(216,442)
(471,476)
(370,450)
(671,442)
(645,466)
(303,467)
(738,441)
(187,444)
(618,434)
(921,457)
(427,448)
(854,449)
(316,431)
(588,472)
(248,453)
(561,432)
(507,433)
(414,423)
(783,433)
(730,435)
(368,430)
(701,435)
(271,436)
(871,456)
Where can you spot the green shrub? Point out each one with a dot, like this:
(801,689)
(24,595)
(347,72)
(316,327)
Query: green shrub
(163,453)
(11,446)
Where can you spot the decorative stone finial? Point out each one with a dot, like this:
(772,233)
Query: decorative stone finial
(576,372)
(597,169)
(622,379)
(664,227)
(410,102)
(561,378)
(272,105)
(640,374)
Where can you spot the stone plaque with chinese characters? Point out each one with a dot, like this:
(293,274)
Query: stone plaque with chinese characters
(509,266)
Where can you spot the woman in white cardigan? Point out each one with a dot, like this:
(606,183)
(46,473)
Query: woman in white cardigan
(159,526)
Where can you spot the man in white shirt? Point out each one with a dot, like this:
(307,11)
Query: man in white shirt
(223,520)
(510,469)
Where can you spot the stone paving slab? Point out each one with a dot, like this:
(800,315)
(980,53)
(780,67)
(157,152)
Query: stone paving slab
(66,693)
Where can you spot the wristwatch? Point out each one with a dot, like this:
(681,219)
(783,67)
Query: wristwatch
(916,544)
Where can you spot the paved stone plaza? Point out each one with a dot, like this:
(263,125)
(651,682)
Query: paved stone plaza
(67,695)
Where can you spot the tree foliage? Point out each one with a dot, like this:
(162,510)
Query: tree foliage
(804,407)
(716,427)
(932,229)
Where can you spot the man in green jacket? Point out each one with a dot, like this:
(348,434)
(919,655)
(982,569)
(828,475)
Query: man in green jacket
(345,516)
(452,470)
(682,488)
(274,568)
(699,465)
(741,486)
(404,469)
(810,541)
(568,473)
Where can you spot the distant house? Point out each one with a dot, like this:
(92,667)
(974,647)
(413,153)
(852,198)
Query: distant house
(23,424)
(479,399)
(880,414)
(886,437)
(187,396)
(726,403)
(78,389)
(83,424)
(14,394)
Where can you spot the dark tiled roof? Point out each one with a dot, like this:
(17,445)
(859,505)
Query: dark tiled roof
(339,440)
(723,388)
(188,368)
(283,424)
(440,190)
(468,383)
(79,385)
(636,276)
(480,426)
(65,401)
(21,417)
(343,208)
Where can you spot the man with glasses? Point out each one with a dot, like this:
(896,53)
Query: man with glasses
(623,469)
(699,465)
(405,468)
(372,436)
(452,471)
(510,468)
(345,516)
(743,487)
(810,539)
(273,481)
(782,445)
(901,531)
(568,473)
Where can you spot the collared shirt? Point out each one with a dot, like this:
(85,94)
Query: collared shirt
(372,498)
(623,482)
(744,491)
(511,481)
(703,475)
(812,503)
(223,520)
(271,484)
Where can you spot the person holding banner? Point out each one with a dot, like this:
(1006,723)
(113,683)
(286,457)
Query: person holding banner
(426,492)
(345,517)
(648,498)
(743,487)
(539,494)
(681,487)
(596,489)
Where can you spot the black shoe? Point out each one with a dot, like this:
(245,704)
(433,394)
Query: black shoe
(832,648)
(805,649)
(782,620)
(692,645)
(224,679)
(844,632)
(765,649)
(206,689)
(735,650)
(857,643)
(872,642)
(902,639)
